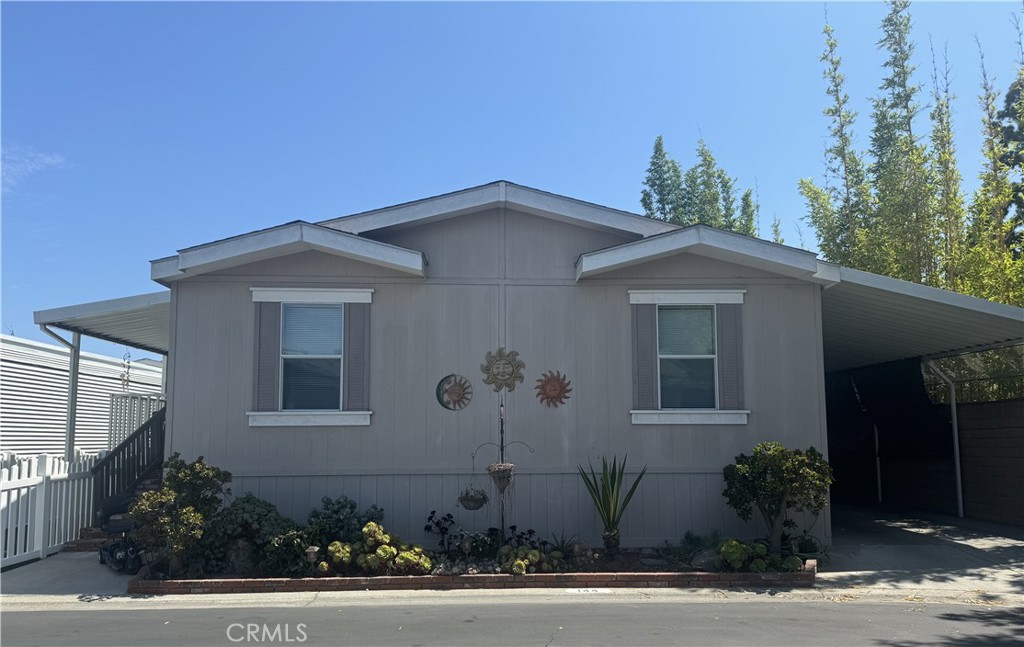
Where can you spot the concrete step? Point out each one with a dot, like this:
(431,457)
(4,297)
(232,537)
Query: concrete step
(85,545)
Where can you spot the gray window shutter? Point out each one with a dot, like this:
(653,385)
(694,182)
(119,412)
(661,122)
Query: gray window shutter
(357,357)
(730,356)
(645,357)
(268,356)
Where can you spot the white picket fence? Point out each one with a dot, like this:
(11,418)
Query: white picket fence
(127,413)
(44,502)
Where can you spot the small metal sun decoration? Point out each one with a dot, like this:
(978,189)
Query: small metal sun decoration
(503,370)
(553,388)
(454,392)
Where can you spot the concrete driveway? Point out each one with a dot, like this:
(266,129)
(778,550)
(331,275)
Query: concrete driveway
(884,549)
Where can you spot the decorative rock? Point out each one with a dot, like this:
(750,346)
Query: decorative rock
(705,560)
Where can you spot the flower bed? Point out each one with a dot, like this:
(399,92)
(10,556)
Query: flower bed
(802,579)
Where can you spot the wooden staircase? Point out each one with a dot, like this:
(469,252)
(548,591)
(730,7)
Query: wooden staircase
(136,465)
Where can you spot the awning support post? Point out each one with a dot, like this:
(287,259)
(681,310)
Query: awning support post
(75,346)
(956,437)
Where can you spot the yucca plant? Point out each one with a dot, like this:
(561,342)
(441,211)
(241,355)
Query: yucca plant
(606,491)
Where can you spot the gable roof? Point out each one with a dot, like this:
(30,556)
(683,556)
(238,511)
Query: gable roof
(498,194)
(279,241)
(713,243)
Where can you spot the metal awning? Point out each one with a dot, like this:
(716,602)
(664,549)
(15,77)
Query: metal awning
(141,321)
(870,319)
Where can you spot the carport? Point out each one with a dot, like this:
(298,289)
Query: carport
(888,443)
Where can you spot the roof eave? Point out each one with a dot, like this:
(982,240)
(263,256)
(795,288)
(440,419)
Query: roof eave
(281,241)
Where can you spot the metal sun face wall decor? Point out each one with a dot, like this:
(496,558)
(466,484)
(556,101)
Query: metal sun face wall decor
(503,369)
(553,388)
(454,392)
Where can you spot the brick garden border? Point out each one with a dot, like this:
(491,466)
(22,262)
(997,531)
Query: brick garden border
(803,579)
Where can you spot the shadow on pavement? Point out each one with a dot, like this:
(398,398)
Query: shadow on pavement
(873,547)
(1008,621)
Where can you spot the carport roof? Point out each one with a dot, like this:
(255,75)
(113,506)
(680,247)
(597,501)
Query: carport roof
(870,319)
(141,321)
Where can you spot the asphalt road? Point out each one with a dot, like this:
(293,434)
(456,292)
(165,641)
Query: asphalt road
(541,624)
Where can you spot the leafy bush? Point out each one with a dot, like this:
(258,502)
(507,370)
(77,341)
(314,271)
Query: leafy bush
(606,492)
(523,560)
(248,522)
(775,479)
(336,519)
(197,484)
(754,557)
(164,527)
(285,554)
(377,553)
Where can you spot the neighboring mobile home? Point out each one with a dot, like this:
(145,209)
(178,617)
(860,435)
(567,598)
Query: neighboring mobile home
(316,360)
(34,395)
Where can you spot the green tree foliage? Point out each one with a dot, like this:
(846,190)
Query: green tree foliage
(197,484)
(704,195)
(903,232)
(774,480)
(777,231)
(949,198)
(991,269)
(840,210)
(663,184)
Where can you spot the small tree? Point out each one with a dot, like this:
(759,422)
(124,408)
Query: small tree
(775,479)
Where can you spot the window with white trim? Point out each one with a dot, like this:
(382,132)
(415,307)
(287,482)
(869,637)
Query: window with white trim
(312,364)
(687,357)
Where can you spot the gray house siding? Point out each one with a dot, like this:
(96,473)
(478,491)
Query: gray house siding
(494,279)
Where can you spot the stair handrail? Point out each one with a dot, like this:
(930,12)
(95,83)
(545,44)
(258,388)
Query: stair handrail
(124,467)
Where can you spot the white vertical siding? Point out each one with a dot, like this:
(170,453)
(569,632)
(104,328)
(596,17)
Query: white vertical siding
(34,392)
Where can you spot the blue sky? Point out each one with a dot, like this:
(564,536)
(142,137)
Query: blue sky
(131,130)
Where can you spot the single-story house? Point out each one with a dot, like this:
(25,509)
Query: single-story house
(370,356)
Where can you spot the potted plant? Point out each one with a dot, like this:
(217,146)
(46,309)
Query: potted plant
(472,498)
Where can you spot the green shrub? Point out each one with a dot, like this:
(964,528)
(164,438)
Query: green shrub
(606,493)
(336,519)
(197,484)
(285,554)
(248,521)
(377,553)
(523,560)
(775,479)
(164,527)
(734,555)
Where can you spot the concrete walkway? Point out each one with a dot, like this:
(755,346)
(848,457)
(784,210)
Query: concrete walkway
(876,556)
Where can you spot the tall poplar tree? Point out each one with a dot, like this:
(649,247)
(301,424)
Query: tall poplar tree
(663,184)
(991,270)
(839,210)
(949,197)
(749,209)
(903,231)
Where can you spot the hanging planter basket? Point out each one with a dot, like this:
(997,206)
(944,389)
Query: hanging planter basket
(501,474)
(473,498)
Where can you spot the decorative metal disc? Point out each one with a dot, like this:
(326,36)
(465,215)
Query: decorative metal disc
(553,388)
(503,370)
(454,392)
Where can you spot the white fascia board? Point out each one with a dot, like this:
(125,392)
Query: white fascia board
(704,241)
(281,241)
(689,417)
(927,293)
(639,251)
(452,204)
(577,212)
(685,297)
(94,308)
(309,418)
(312,295)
